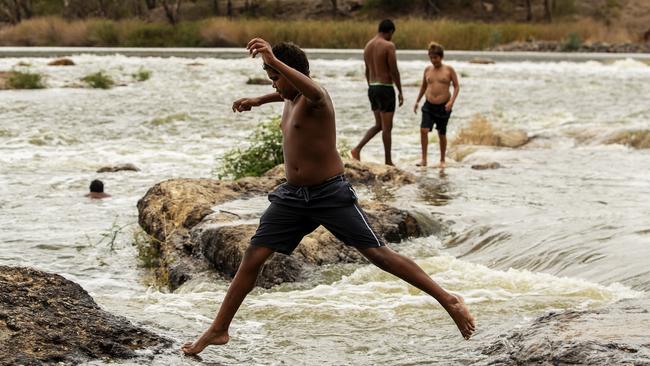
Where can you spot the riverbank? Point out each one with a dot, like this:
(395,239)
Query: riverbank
(339,34)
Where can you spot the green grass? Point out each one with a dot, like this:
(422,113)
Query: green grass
(263,153)
(25,80)
(98,80)
(142,74)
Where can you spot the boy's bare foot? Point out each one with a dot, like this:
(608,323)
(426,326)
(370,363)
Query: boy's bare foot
(354,153)
(421,163)
(441,165)
(463,319)
(206,339)
(390,163)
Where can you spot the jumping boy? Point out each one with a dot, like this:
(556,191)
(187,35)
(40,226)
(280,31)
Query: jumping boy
(439,102)
(316,193)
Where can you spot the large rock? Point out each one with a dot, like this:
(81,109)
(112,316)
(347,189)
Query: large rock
(615,335)
(46,319)
(191,238)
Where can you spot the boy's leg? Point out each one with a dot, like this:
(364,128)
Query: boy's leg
(443,149)
(424,141)
(372,131)
(386,130)
(404,268)
(240,286)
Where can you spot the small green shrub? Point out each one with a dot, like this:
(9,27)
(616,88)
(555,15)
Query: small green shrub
(25,80)
(572,42)
(98,80)
(264,152)
(142,74)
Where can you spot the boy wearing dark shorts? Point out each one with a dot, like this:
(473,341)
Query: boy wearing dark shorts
(316,193)
(437,80)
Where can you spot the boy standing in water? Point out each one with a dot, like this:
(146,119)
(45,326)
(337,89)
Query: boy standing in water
(316,193)
(438,103)
(382,77)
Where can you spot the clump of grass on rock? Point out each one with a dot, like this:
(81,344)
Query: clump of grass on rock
(142,74)
(99,80)
(21,80)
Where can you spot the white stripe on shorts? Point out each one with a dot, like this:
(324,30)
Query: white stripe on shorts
(366,222)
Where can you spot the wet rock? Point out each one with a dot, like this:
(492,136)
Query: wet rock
(560,46)
(481,61)
(118,168)
(46,319)
(258,81)
(62,62)
(192,238)
(615,335)
(492,165)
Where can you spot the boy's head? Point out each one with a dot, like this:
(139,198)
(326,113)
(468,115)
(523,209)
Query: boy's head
(436,53)
(292,56)
(387,28)
(97,186)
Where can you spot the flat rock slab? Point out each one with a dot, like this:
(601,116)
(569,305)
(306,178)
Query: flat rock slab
(618,334)
(46,319)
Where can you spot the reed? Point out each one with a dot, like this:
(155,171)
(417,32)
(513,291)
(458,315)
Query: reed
(218,32)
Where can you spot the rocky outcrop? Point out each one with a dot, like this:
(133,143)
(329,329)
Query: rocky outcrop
(192,238)
(615,335)
(61,62)
(46,319)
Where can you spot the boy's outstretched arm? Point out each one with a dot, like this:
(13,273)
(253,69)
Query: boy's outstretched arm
(303,83)
(245,104)
(454,82)
(394,73)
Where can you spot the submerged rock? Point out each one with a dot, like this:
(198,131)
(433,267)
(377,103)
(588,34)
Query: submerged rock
(192,238)
(46,319)
(61,62)
(118,168)
(492,165)
(615,335)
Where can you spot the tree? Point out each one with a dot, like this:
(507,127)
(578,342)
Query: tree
(172,7)
(151,4)
(529,11)
(548,4)
(14,11)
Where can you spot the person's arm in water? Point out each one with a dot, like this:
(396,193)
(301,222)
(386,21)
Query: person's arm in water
(303,83)
(423,89)
(245,104)
(394,73)
(454,82)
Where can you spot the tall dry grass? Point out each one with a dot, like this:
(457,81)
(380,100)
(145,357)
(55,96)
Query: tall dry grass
(217,32)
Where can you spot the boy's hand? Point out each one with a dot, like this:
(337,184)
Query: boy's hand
(259,46)
(448,106)
(244,104)
(400,98)
(415,107)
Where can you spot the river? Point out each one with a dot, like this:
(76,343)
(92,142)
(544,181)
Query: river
(562,225)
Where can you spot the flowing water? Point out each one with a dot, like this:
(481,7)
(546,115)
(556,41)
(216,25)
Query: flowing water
(562,225)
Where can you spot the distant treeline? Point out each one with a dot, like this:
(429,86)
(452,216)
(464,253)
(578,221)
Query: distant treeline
(226,32)
(173,11)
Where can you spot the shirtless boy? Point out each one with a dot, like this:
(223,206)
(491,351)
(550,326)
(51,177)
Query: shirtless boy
(437,80)
(381,73)
(316,193)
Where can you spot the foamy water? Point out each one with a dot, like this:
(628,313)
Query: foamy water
(562,225)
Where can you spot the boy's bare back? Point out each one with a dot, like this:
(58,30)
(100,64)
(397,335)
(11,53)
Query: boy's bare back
(377,55)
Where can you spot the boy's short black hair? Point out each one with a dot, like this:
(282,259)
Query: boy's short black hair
(97,186)
(291,55)
(386,26)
